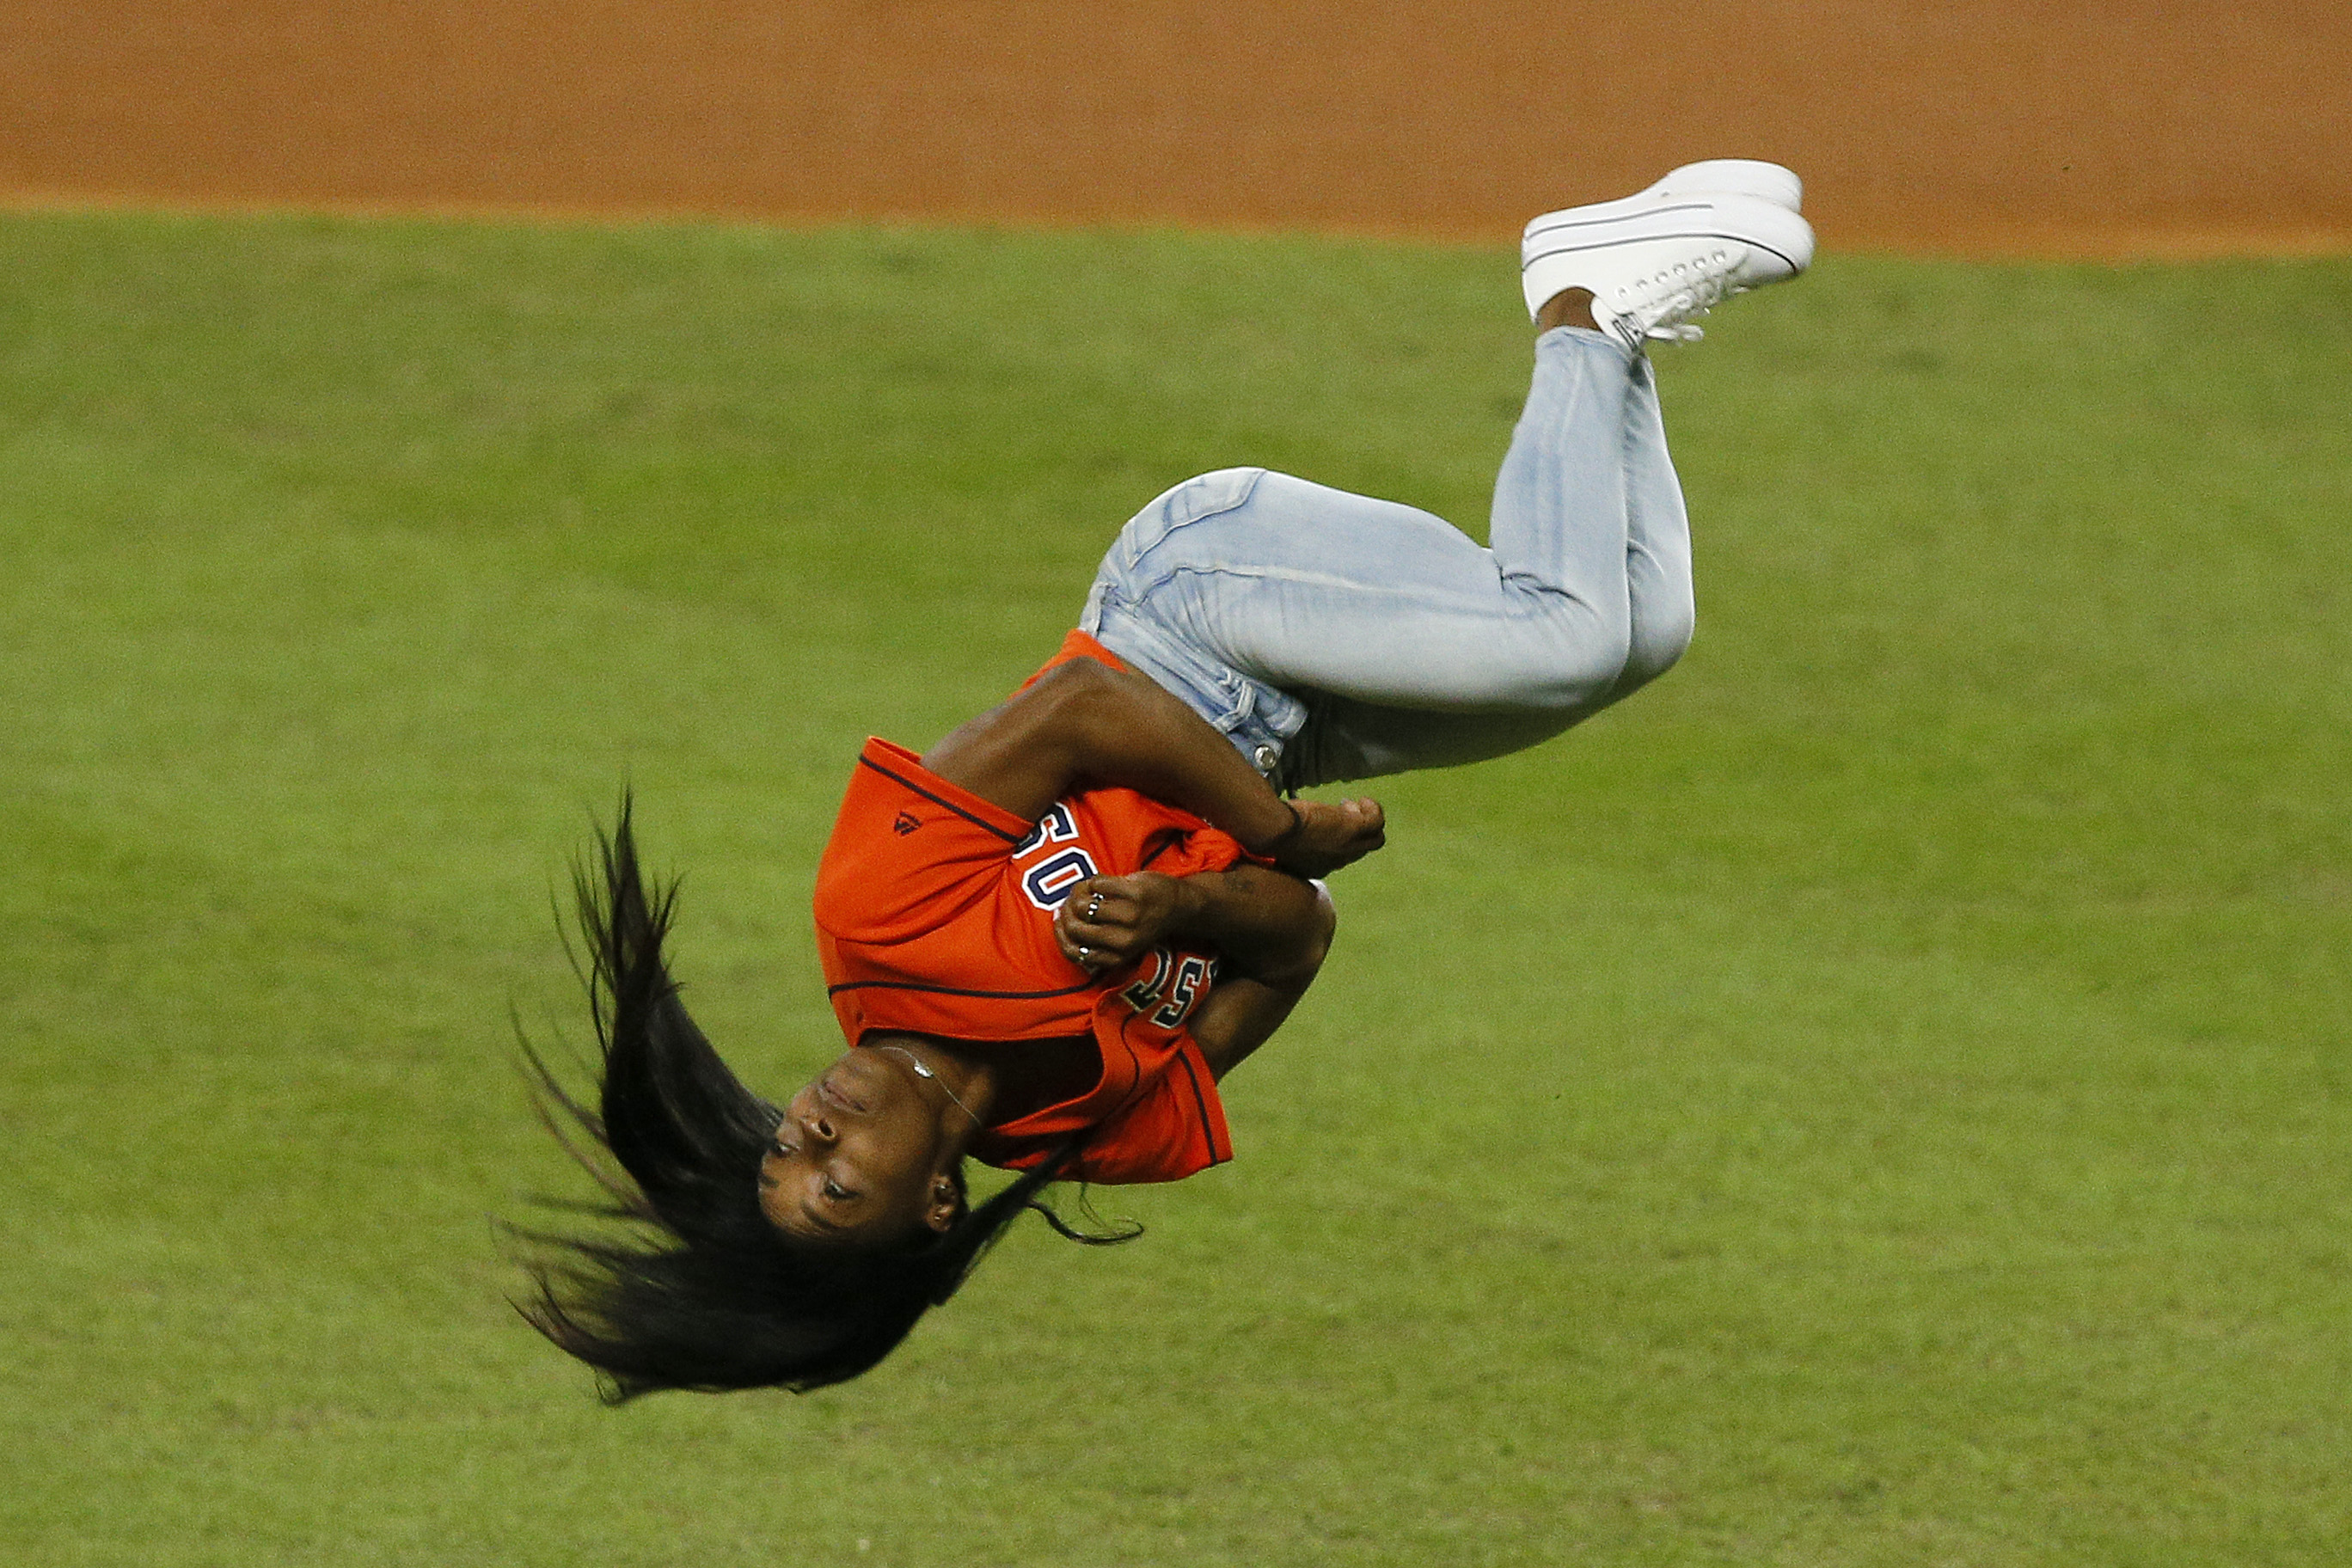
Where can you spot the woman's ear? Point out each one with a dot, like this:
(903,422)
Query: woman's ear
(945,1205)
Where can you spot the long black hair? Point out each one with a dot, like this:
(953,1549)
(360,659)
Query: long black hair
(698,1290)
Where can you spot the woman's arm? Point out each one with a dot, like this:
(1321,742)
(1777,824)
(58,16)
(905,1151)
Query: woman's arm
(1270,930)
(1082,721)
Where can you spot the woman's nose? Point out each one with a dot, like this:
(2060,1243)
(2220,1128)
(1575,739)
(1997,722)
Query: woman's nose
(819,1128)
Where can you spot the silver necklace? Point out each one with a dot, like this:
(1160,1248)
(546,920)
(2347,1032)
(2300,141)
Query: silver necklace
(922,1072)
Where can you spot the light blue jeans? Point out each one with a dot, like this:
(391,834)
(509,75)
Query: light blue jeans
(1333,637)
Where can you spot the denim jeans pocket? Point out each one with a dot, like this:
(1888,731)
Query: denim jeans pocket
(1204,496)
(1257,712)
(1209,494)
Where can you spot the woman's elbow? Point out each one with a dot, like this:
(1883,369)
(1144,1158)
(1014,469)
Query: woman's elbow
(1318,924)
(1326,917)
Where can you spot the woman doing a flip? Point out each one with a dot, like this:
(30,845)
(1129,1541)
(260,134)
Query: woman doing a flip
(1050,936)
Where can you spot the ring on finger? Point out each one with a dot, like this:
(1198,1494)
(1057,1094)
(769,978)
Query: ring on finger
(1085,954)
(1094,908)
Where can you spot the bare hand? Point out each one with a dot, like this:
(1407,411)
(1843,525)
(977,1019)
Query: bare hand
(1330,836)
(1108,923)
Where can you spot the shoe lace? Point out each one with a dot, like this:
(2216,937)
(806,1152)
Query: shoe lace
(1664,303)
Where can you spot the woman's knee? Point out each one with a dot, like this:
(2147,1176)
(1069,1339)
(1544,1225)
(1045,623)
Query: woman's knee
(1568,663)
(1658,638)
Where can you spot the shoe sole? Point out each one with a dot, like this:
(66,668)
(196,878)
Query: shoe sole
(1771,182)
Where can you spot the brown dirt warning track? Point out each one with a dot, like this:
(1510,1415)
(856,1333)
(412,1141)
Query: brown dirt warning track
(2103,127)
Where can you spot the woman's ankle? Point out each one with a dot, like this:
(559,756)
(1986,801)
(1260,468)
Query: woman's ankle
(1568,308)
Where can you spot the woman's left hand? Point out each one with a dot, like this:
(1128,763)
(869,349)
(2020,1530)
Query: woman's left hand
(1108,923)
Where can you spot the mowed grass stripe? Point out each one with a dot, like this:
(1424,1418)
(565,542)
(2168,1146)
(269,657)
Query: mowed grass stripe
(1876,1098)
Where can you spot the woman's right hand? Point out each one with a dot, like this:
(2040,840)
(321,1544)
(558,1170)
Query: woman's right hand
(1108,923)
(1329,834)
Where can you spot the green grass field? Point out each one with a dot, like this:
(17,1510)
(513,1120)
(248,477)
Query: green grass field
(1879,1097)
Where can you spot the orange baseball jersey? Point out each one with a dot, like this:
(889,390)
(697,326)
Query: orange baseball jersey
(935,914)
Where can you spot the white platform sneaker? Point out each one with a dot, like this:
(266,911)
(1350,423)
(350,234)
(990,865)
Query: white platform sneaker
(1655,260)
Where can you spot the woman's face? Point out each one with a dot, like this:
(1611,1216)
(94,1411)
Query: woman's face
(861,1158)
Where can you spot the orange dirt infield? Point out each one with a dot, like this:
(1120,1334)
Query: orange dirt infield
(2102,128)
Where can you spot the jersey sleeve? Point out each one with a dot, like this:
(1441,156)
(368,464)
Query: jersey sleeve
(909,851)
(1157,1116)
(1173,1129)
